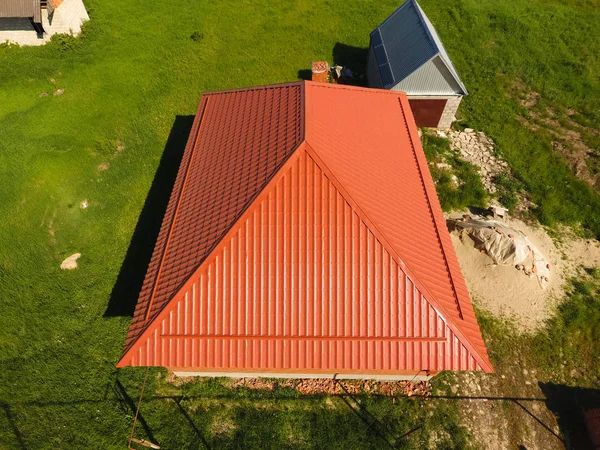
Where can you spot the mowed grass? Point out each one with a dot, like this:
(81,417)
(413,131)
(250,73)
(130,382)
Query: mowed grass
(125,81)
(549,47)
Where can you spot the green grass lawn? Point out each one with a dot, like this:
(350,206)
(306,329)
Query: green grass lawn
(125,82)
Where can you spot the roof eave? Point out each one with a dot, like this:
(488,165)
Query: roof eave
(452,70)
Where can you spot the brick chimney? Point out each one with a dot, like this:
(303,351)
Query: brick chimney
(320,71)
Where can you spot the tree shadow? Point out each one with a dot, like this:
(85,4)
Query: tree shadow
(13,426)
(570,404)
(125,292)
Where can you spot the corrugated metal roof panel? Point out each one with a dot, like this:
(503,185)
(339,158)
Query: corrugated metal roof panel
(440,46)
(393,187)
(305,266)
(406,41)
(432,78)
(239,141)
(410,41)
(21,8)
(316,291)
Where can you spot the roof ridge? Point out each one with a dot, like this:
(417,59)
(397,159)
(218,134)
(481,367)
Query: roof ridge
(441,50)
(315,84)
(254,88)
(149,315)
(421,15)
(376,231)
(405,3)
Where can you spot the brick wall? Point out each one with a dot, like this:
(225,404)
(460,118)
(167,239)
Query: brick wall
(449,112)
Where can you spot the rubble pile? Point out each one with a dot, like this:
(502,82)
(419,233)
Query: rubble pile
(478,149)
(311,386)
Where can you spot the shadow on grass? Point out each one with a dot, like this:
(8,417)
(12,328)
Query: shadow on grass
(354,58)
(373,424)
(13,426)
(131,405)
(190,421)
(129,281)
(569,404)
(305,74)
(377,432)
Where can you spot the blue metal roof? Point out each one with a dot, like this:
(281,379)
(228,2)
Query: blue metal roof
(404,42)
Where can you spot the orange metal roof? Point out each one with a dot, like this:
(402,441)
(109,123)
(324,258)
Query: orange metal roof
(304,235)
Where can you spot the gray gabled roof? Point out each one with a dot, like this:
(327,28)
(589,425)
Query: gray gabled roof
(404,42)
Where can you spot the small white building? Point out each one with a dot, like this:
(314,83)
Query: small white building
(34,22)
(406,54)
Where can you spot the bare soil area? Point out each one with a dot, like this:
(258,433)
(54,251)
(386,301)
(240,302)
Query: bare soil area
(507,292)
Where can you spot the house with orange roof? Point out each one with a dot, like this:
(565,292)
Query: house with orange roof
(304,238)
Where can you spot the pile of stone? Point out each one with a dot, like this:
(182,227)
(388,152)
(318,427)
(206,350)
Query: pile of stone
(478,149)
(311,386)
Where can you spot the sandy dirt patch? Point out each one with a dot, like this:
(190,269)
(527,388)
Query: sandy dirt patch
(507,292)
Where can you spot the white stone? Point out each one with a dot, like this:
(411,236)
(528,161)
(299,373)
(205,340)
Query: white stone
(70,263)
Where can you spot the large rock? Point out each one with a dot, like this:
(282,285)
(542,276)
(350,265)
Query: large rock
(70,263)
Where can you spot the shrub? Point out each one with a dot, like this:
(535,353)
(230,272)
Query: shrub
(197,36)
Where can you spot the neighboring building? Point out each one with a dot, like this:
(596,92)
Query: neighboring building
(25,9)
(34,22)
(406,54)
(304,238)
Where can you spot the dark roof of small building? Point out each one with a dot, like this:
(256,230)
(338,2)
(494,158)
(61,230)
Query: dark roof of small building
(404,42)
(21,8)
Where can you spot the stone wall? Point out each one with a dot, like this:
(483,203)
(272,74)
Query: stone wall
(449,112)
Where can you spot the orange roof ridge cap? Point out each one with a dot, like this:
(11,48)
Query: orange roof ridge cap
(175,215)
(316,84)
(483,362)
(255,88)
(200,116)
(201,111)
(277,173)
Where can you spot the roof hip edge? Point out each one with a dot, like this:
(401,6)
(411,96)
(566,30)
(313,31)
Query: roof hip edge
(483,362)
(254,88)
(262,191)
